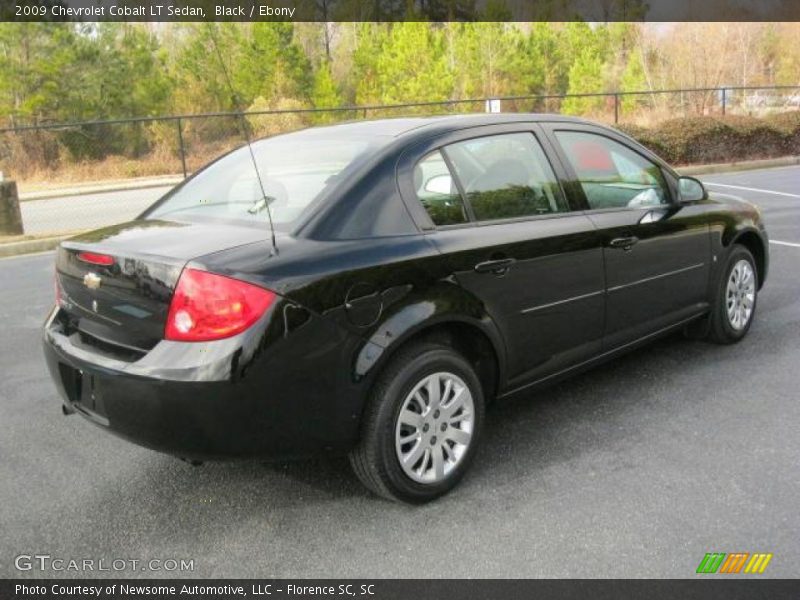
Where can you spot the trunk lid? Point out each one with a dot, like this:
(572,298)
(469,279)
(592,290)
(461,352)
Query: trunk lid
(123,305)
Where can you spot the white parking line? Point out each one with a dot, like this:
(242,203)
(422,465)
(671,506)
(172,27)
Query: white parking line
(792,244)
(749,189)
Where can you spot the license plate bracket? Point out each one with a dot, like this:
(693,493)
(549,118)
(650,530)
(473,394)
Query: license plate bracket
(71,379)
(82,393)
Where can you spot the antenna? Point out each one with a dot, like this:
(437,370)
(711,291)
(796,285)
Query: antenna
(265,200)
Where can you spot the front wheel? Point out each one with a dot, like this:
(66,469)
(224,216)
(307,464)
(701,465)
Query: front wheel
(735,299)
(422,425)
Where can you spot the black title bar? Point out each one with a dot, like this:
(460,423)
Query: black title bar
(707,588)
(399,10)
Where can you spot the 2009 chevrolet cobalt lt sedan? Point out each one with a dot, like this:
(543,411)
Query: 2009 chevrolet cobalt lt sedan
(367,288)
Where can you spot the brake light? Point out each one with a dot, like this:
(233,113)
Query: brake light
(93,258)
(206,307)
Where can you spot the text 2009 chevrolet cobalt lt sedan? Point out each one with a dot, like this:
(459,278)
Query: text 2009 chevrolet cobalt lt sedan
(419,268)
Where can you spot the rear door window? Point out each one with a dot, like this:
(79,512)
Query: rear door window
(506,176)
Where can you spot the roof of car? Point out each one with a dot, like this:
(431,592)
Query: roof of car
(397,127)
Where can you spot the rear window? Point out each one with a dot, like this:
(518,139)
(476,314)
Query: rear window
(437,191)
(296,171)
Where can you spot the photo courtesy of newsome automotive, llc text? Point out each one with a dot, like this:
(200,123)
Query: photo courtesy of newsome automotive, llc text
(390,299)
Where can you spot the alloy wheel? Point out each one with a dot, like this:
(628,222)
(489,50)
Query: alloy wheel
(434,427)
(740,294)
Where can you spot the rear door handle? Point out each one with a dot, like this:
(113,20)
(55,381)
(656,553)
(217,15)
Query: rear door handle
(498,266)
(626,243)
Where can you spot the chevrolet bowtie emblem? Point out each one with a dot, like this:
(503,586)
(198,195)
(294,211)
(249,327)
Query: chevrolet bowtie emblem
(92,281)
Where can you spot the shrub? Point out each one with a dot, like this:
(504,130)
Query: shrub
(703,140)
(24,152)
(647,137)
(788,125)
(164,138)
(281,122)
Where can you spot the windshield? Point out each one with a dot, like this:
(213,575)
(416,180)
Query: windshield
(295,169)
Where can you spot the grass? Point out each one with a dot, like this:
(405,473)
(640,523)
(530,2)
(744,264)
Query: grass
(37,177)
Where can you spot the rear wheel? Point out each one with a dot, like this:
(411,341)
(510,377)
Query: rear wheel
(422,425)
(735,300)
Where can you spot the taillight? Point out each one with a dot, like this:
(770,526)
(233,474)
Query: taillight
(206,306)
(93,258)
(57,286)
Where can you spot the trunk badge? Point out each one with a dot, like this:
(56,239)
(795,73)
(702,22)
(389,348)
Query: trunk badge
(92,281)
(94,305)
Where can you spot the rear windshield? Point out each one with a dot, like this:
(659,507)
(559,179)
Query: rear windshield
(296,171)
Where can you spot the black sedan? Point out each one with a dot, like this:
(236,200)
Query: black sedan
(368,288)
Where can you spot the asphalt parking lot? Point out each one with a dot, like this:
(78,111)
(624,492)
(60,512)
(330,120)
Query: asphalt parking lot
(635,469)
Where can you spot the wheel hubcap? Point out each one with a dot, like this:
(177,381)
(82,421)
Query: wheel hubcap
(740,295)
(434,427)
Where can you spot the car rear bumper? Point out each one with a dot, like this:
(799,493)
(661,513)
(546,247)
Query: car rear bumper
(200,417)
(191,420)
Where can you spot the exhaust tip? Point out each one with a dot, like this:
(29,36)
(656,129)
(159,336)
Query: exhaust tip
(66,410)
(191,461)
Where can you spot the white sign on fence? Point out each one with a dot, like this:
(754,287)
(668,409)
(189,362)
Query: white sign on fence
(493,105)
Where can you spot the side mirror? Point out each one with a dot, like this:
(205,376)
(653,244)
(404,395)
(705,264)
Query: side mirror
(691,190)
(439,184)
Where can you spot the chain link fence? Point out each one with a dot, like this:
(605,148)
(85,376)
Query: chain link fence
(77,176)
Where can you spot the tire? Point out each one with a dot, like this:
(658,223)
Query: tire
(403,386)
(722,327)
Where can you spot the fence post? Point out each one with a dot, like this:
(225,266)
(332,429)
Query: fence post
(10,216)
(616,109)
(180,142)
(723,102)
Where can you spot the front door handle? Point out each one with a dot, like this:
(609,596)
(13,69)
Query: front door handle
(626,243)
(498,267)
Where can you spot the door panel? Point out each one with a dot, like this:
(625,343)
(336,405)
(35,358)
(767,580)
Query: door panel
(656,252)
(661,278)
(535,262)
(549,301)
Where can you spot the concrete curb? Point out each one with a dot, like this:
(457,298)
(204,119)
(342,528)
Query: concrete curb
(121,186)
(31,246)
(746,165)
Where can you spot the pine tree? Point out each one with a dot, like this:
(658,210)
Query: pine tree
(585,77)
(409,65)
(325,93)
(633,80)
